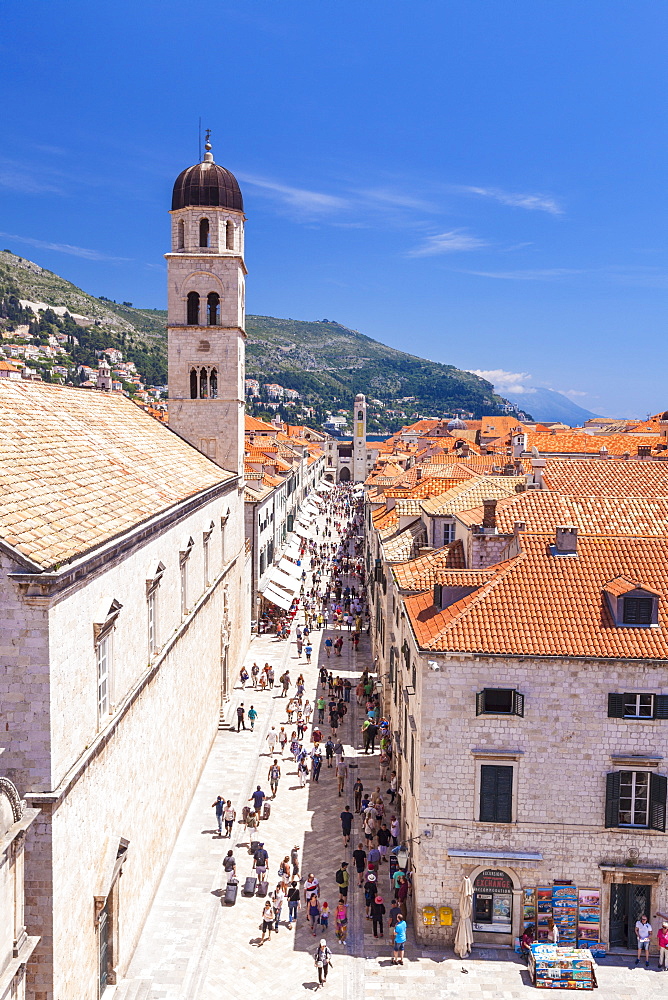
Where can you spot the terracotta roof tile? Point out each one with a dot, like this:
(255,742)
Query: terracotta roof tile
(422,573)
(79,467)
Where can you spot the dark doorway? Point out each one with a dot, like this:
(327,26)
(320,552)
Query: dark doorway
(344,475)
(627,902)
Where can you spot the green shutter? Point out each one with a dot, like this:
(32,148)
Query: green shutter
(480,703)
(504,795)
(658,786)
(612,782)
(615,706)
(661,706)
(487,793)
(518,704)
(496,794)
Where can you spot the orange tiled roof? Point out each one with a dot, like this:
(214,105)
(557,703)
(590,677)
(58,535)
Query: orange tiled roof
(471,493)
(564,442)
(607,477)
(253,424)
(404,543)
(421,573)
(537,604)
(79,468)
(542,510)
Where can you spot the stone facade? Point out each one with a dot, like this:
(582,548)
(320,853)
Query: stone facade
(16,946)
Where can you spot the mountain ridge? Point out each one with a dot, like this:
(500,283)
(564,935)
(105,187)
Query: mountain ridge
(326,362)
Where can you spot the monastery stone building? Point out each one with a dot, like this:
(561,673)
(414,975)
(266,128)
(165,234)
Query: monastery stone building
(124,615)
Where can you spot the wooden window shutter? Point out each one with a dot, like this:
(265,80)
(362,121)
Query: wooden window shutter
(661,706)
(487,794)
(504,795)
(658,788)
(480,703)
(612,782)
(615,706)
(518,704)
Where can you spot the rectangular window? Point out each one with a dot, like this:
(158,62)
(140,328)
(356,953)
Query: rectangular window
(103,656)
(632,705)
(636,799)
(448,532)
(207,578)
(633,798)
(153,621)
(638,610)
(499,701)
(184,588)
(496,793)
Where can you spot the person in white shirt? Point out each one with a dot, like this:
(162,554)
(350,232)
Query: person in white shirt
(552,931)
(272,739)
(644,936)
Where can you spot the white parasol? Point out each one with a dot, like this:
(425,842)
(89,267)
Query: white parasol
(464,935)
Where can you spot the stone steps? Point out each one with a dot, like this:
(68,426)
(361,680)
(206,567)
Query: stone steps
(133,989)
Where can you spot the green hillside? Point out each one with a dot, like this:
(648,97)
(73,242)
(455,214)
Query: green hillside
(325,362)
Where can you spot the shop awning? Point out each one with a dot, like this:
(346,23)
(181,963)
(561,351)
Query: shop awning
(324,485)
(278,597)
(303,532)
(290,568)
(292,549)
(495,855)
(284,580)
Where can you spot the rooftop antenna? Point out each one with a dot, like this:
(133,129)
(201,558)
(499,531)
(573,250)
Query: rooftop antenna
(199,137)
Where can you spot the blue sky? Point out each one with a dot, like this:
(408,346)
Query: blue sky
(478,182)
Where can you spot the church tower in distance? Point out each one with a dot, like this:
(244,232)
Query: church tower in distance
(206,312)
(359,439)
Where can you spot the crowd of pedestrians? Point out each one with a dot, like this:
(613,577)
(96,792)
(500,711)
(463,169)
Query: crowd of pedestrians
(333,598)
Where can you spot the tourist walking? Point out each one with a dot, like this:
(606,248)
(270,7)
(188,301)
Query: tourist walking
(229,815)
(241,715)
(377,914)
(399,940)
(293,903)
(219,806)
(252,716)
(346,825)
(274,776)
(267,921)
(323,961)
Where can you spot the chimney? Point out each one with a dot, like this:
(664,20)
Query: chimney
(465,449)
(518,527)
(489,516)
(566,542)
(644,451)
(418,475)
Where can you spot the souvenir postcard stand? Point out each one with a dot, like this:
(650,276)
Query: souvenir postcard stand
(529,909)
(553,967)
(589,917)
(543,910)
(565,913)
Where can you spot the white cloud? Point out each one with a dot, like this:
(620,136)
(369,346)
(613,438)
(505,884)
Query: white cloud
(451,242)
(533,202)
(542,274)
(67,248)
(386,196)
(314,202)
(573,393)
(504,381)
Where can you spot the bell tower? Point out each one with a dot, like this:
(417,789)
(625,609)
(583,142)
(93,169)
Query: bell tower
(206,312)
(359,439)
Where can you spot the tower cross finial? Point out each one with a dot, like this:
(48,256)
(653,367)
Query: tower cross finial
(208,155)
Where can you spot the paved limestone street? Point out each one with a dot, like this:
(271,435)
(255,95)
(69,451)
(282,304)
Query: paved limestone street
(193,947)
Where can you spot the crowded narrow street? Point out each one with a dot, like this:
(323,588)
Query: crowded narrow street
(194,946)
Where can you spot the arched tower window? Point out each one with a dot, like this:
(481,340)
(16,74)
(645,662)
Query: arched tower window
(360,415)
(204,232)
(213,309)
(193,383)
(181,235)
(229,235)
(203,384)
(193,308)
(213,384)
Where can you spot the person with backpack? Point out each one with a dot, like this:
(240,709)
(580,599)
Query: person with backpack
(260,863)
(329,751)
(274,776)
(342,879)
(323,961)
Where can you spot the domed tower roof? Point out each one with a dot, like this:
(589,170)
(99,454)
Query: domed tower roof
(456,425)
(207,185)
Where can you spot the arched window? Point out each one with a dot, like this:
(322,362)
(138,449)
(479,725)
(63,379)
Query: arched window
(181,235)
(193,383)
(204,232)
(193,308)
(229,235)
(203,384)
(213,384)
(360,415)
(213,309)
